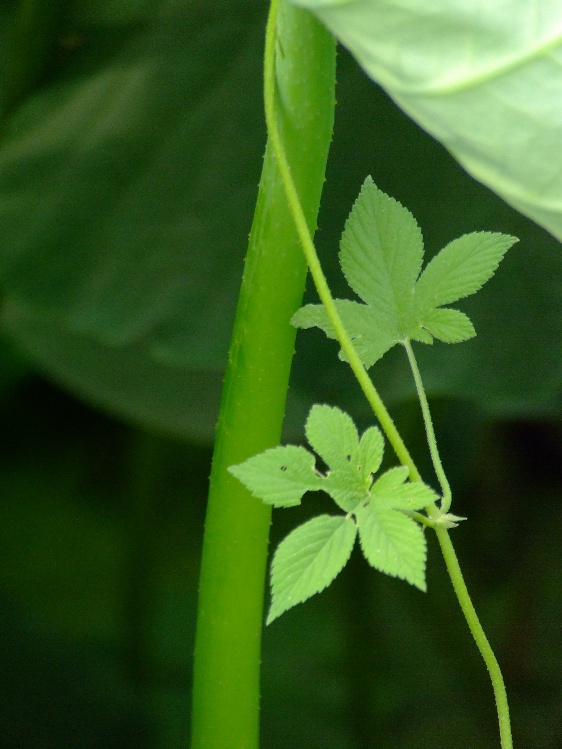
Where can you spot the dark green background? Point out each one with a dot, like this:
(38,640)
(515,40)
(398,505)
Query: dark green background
(131,145)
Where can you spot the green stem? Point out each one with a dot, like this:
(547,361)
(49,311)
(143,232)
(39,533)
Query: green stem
(479,636)
(225,713)
(454,569)
(430,432)
(370,391)
(314,266)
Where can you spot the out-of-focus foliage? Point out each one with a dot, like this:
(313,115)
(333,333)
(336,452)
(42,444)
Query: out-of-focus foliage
(127,183)
(100,537)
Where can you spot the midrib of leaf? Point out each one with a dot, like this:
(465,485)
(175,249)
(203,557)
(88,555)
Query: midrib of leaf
(505,68)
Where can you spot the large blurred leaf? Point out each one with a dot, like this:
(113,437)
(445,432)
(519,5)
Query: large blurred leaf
(127,194)
(125,380)
(485,79)
(127,185)
(123,168)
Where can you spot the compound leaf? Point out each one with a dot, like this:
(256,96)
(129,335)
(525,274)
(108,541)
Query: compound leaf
(308,559)
(381,256)
(279,476)
(392,543)
(313,554)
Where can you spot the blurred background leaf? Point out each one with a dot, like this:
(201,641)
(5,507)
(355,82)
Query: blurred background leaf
(128,175)
(128,180)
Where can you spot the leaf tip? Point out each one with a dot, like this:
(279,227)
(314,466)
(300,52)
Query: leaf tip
(272,616)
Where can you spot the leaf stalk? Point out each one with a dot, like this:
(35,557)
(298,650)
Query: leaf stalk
(429,430)
(226,691)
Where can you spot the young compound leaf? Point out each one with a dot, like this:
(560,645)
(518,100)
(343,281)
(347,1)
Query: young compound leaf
(392,543)
(381,252)
(381,255)
(449,325)
(460,269)
(279,476)
(308,559)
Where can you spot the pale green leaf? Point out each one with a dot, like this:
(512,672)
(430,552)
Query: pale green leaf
(332,434)
(449,325)
(393,491)
(417,333)
(393,543)
(308,559)
(313,316)
(372,334)
(381,256)
(371,449)
(460,269)
(412,495)
(483,78)
(279,476)
(381,252)
(347,487)
(390,480)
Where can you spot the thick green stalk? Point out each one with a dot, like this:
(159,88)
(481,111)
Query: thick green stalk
(230,614)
